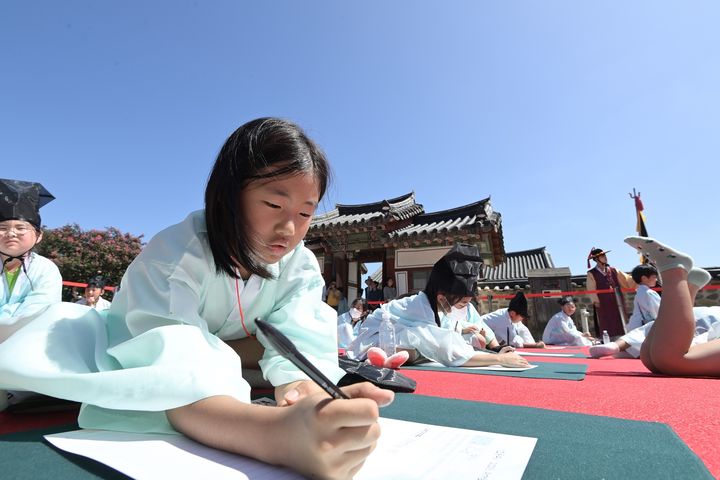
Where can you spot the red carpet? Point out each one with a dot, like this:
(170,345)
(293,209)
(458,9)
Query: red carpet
(621,388)
(612,387)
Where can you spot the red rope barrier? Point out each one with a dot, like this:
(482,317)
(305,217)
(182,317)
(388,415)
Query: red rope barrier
(83,285)
(561,294)
(582,292)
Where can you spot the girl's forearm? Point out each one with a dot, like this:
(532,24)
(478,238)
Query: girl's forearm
(225,423)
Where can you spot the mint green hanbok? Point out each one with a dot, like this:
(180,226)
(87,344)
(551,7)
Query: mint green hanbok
(161,344)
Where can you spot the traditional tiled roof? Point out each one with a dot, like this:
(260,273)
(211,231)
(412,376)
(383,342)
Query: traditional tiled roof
(475,214)
(516,266)
(399,208)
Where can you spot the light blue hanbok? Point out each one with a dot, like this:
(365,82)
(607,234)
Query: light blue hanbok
(160,345)
(36,288)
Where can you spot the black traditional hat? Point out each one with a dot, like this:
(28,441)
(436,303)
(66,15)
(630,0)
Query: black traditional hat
(96,281)
(20,200)
(458,271)
(594,253)
(519,305)
(567,299)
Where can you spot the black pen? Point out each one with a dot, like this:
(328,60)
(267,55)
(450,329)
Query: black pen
(285,347)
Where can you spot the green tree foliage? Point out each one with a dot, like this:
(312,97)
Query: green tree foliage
(81,254)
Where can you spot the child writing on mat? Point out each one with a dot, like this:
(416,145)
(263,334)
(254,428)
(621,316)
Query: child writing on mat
(181,330)
(418,319)
(669,347)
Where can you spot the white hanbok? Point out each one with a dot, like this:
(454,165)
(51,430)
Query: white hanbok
(645,307)
(415,328)
(504,328)
(101,303)
(561,330)
(707,325)
(32,294)
(461,318)
(347,330)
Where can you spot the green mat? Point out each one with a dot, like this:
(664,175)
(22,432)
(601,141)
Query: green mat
(570,445)
(549,370)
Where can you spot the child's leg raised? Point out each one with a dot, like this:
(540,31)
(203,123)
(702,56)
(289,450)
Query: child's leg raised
(667,346)
(669,339)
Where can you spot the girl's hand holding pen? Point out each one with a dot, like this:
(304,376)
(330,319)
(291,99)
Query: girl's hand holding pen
(330,438)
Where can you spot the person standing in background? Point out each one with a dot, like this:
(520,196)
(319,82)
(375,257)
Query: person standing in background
(333,295)
(608,306)
(389,291)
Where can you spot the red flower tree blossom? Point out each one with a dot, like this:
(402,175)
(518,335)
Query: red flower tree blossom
(81,254)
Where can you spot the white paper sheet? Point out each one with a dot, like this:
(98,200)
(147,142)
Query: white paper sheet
(498,367)
(406,450)
(541,354)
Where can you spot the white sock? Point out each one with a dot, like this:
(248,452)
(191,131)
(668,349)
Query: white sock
(698,277)
(663,257)
(597,351)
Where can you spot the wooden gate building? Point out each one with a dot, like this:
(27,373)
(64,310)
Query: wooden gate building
(399,234)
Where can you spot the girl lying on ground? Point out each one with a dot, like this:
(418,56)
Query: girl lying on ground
(668,347)
(417,319)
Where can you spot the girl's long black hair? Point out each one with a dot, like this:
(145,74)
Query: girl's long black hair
(261,148)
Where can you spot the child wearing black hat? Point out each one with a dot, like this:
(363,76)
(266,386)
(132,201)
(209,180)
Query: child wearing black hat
(418,318)
(507,324)
(93,294)
(561,329)
(609,307)
(30,282)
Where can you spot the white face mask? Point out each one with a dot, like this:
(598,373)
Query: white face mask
(444,305)
(457,313)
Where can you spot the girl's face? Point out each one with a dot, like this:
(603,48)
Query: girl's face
(17,237)
(390,282)
(445,306)
(463,302)
(92,294)
(278,213)
(569,309)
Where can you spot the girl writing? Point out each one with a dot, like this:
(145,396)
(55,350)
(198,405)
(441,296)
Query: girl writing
(418,318)
(171,352)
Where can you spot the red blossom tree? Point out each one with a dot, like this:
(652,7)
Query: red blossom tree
(81,254)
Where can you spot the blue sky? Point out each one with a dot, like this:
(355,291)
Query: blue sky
(554,109)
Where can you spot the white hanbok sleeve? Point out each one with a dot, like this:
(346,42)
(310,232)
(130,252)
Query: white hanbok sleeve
(645,307)
(650,304)
(475,319)
(524,333)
